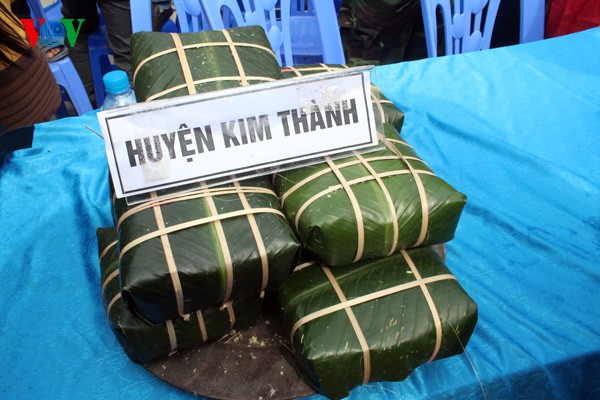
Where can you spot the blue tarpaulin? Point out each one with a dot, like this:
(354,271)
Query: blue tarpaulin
(516,129)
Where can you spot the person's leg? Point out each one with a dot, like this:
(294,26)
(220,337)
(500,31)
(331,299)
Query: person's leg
(117,17)
(82,9)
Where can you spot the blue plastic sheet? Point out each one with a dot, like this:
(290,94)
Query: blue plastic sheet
(516,129)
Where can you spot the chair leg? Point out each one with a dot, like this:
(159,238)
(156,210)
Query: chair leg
(99,52)
(532,20)
(333,51)
(66,76)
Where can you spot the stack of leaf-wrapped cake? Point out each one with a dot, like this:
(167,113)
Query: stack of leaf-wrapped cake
(193,265)
(368,299)
(375,300)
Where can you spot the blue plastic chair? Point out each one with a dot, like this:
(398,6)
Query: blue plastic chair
(464,28)
(264,13)
(190,17)
(288,35)
(460,35)
(100,55)
(307,22)
(141,17)
(66,76)
(532,20)
(63,70)
(197,15)
(51,12)
(100,51)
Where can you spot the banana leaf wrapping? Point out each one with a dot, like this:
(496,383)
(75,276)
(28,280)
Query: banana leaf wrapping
(171,65)
(369,205)
(385,110)
(206,247)
(144,342)
(374,320)
(202,248)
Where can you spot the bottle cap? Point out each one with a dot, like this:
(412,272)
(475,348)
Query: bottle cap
(116,82)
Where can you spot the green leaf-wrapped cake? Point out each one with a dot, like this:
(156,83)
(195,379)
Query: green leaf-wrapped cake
(374,320)
(172,65)
(144,342)
(369,205)
(202,248)
(206,247)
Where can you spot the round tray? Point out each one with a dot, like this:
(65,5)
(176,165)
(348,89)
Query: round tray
(252,364)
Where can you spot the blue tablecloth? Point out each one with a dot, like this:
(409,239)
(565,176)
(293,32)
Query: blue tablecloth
(516,129)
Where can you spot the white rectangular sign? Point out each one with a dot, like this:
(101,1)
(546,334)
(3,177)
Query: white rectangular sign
(167,143)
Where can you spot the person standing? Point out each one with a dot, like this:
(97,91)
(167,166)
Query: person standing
(28,91)
(117,18)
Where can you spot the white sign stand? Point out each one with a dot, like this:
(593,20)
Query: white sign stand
(167,143)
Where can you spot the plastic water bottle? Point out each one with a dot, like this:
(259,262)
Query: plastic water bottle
(118,91)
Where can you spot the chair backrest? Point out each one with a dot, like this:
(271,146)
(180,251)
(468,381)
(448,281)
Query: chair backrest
(63,70)
(313,30)
(463,23)
(51,11)
(190,16)
(290,27)
(141,15)
(468,24)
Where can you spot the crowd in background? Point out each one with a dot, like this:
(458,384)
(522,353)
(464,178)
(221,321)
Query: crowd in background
(372,31)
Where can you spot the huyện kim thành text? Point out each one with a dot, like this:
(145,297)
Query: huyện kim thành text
(187,142)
